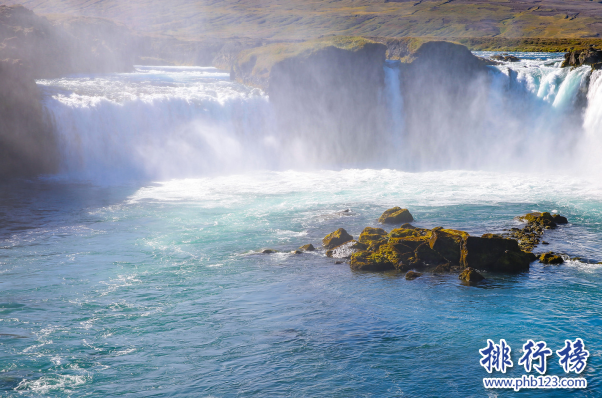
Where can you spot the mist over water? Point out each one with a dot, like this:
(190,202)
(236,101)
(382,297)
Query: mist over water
(172,122)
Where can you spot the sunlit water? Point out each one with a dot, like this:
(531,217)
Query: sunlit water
(112,285)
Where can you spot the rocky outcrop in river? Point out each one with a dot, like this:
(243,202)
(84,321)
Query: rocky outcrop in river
(439,250)
(588,56)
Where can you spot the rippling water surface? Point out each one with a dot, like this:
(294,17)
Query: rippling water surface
(157,290)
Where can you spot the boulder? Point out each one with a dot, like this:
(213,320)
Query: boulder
(369,235)
(336,238)
(396,215)
(544,219)
(450,244)
(558,219)
(307,248)
(269,251)
(385,259)
(506,58)
(589,56)
(551,258)
(443,269)
(492,253)
(411,275)
(470,275)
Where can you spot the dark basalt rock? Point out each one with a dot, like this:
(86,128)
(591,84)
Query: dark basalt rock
(411,275)
(450,244)
(530,236)
(551,258)
(336,238)
(396,215)
(407,249)
(471,276)
(443,269)
(589,56)
(497,254)
(307,248)
(296,252)
(506,58)
(269,251)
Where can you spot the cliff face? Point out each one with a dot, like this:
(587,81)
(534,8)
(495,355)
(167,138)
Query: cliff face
(31,47)
(325,94)
(444,86)
(27,145)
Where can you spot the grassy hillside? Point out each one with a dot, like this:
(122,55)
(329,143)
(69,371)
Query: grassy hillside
(292,19)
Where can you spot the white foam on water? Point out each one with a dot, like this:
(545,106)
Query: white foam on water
(335,187)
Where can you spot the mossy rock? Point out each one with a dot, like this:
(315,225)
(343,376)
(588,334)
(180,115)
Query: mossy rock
(336,238)
(385,259)
(408,244)
(369,235)
(307,248)
(558,219)
(450,244)
(411,275)
(544,219)
(396,215)
(551,258)
(269,251)
(470,275)
(404,231)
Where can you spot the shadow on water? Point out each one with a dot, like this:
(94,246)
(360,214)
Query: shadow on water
(37,203)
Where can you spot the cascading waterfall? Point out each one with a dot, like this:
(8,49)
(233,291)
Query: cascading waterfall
(158,123)
(173,122)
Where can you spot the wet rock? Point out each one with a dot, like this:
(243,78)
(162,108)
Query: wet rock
(296,252)
(470,275)
(346,249)
(385,259)
(551,258)
(269,251)
(336,238)
(339,262)
(530,236)
(443,269)
(369,235)
(589,56)
(411,275)
(506,58)
(307,248)
(496,254)
(396,215)
(450,244)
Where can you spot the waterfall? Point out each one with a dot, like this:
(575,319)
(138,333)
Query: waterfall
(169,122)
(158,123)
